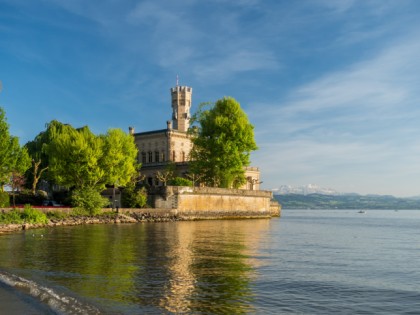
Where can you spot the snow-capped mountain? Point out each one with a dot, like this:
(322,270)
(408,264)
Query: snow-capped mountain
(304,190)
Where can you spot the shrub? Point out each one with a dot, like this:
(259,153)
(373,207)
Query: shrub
(134,198)
(180,181)
(11,217)
(31,215)
(88,201)
(58,215)
(28,215)
(27,197)
(4,199)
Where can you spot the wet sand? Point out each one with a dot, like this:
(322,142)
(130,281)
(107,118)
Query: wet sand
(13,302)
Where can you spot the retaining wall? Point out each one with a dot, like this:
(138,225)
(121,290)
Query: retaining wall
(215,203)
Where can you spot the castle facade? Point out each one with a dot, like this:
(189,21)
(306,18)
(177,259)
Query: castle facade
(172,146)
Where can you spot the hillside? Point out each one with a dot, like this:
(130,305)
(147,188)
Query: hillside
(318,201)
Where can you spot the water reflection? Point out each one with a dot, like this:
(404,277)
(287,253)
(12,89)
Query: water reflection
(183,267)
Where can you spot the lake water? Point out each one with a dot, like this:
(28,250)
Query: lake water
(306,262)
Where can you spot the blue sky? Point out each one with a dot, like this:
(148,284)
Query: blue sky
(331,86)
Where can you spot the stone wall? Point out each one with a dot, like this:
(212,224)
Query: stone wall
(209,203)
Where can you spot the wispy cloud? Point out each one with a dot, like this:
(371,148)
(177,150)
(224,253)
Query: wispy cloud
(354,119)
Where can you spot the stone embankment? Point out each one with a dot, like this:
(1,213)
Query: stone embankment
(175,203)
(133,217)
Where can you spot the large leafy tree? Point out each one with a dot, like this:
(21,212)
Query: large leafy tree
(37,151)
(86,162)
(75,157)
(223,139)
(23,163)
(119,157)
(13,158)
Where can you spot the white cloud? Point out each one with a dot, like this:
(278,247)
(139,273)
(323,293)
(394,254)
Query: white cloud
(354,125)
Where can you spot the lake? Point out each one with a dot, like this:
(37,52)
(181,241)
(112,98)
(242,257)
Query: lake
(306,262)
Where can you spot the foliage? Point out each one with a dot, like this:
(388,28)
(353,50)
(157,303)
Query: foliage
(4,199)
(80,160)
(13,158)
(26,197)
(119,157)
(88,200)
(11,217)
(74,158)
(37,150)
(222,143)
(133,197)
(57,215)
(17,181)
(167,174)
(34,216)
(180,181)
(28,215)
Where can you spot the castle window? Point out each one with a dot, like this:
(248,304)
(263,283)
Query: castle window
(156,156)
(163,157)
(183,156)
(143,157)
(173,156)
(150,157)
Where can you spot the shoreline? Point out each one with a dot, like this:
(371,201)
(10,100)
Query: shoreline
(117,218)
(134,217)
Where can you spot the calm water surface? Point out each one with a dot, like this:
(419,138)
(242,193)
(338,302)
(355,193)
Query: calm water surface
(307,262)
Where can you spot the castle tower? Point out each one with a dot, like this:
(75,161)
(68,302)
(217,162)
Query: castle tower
(181,104)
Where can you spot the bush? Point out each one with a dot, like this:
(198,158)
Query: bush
(133,198)
(28,215)
(88,201)
(11,217)
(27,197)
(57,215)
(4,199)
(34,216)
(180,181)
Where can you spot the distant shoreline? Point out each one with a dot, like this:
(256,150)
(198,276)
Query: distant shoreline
(370,202)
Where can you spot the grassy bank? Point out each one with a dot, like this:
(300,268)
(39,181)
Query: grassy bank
(29,218)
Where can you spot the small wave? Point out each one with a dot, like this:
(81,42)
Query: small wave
(58,303)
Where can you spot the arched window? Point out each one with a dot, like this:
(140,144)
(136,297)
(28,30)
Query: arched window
(150,157)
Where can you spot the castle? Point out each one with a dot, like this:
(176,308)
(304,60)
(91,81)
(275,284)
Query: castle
(159,148)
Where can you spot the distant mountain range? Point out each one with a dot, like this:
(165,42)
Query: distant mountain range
(304,190)
(317,201)
(315,197)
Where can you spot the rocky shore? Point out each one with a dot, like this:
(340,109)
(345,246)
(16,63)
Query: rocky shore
(79,220)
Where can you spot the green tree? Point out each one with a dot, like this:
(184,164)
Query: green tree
(88,200)
(119,157)
(167,174)
(75,158)
(223,139)
(133,197)
(13,159)
(22,164)
(37,151)
(81,160)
